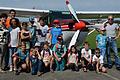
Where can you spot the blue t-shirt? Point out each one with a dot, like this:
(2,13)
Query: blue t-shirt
(55,32)
(21,55)
(101,39)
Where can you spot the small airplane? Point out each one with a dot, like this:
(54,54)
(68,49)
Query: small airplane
(79,30)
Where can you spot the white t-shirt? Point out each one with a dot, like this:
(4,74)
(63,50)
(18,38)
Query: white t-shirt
(46,54)
(111,30)
(44,31)
(95,58)
(14,37)
(86,54)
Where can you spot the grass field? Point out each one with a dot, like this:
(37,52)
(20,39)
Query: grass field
(91,40)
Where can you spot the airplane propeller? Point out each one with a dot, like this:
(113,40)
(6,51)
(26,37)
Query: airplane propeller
(78,25)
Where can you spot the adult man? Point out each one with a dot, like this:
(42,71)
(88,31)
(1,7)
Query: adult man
(111,29)
(12,14)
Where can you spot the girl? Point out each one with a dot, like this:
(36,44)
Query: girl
(47,56)
(73,59)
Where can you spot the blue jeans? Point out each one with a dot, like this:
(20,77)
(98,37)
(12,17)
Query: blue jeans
(40,66)
(111,43)
(102,52)
(60,65)
(12,50)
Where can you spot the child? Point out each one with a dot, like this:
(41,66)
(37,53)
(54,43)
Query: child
(21,59)
(98,61)
(101,40)
(47,56)
(73,59)
(59,50)
(34,60)
(86,57)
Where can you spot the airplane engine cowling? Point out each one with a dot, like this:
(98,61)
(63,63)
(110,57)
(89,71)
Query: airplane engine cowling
(80,25)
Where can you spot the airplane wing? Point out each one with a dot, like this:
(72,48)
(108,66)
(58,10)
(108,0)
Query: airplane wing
(96,14)
(25,12)
(21,12)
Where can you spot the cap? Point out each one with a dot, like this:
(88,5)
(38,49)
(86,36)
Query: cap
(102,28)
(31,19)
(56,21)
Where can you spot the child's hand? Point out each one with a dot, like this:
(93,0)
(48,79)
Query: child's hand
(59,59)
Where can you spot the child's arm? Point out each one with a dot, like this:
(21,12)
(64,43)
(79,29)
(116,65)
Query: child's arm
(77,59)
(54,53)
(65,50)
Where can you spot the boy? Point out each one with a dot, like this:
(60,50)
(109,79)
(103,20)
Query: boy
(101,40)
(21,59)
(86,57)
(59,50)
(98,61)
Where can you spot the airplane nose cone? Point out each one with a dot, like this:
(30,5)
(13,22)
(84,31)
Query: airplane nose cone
(80,25)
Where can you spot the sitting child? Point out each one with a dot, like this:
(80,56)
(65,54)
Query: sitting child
(21,59)
(73,59)
(86,57)
(98,61)
(47,57)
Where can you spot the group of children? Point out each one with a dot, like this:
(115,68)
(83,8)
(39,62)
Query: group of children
(58,58)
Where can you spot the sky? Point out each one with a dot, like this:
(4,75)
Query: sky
(79,5)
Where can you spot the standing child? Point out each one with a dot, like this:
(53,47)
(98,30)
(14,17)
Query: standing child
(101,40)
(73,59)
(98,61)
(86,57)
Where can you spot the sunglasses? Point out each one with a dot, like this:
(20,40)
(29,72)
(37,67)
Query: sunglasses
(110,19)
(97,52)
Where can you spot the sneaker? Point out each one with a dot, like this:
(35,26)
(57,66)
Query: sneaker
(109,66)
(17,72)
(40,73)
(11,69)
(1,70)
(51,70)
(118,67)
(14,69)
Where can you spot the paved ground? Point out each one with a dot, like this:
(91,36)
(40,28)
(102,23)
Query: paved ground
(112,74)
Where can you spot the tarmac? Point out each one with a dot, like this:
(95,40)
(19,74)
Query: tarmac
(112,74)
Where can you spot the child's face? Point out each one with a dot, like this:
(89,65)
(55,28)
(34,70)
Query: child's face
(23,47)
(102,31)
(86,46)
(97,52)
(45,46)
(73,49)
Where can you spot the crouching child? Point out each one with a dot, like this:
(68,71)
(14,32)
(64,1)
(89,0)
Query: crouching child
(47,57)
(73,59)
(98,62)
(21,59)
(59,50)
